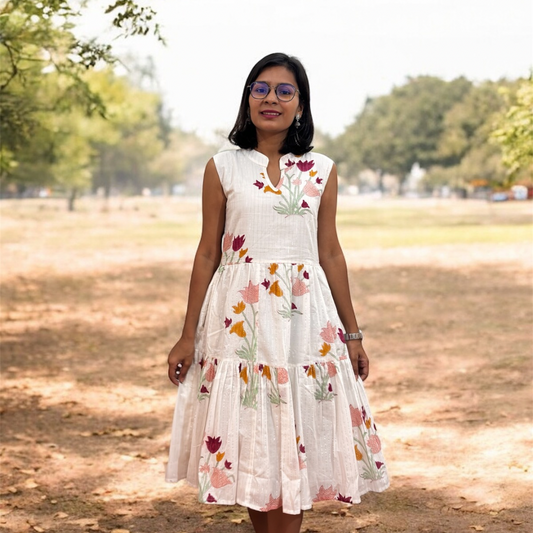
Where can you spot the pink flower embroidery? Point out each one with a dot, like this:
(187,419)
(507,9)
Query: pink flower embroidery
(325,494)
(297,181)
(374,443)
(238,242)
(204,469)
(273,503)
(251,294)
(299,288)
(227,322)
(329,333)
(301,463)
(210,373)
(211,499)
(305,205)
(226,243)
(259,184)
(357,419)
(283,376)
(219,478)
(213,444)
(305,166)
(310,189)
(332,369)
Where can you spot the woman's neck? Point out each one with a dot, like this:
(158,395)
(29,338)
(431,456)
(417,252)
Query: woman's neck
(270,145)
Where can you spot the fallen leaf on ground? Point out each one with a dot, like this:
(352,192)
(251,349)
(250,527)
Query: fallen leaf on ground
(61,515)
(477,528)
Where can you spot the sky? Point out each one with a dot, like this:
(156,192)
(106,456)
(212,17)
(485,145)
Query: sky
(351,49)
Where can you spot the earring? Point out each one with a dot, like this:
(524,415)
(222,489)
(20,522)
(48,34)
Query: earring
(297,123)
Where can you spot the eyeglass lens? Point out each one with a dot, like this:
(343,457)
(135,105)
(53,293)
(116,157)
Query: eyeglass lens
(284,91)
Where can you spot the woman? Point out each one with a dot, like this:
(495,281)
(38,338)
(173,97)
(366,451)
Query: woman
(271,411)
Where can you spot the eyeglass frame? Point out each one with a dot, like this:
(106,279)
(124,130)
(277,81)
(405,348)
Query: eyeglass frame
(270,87)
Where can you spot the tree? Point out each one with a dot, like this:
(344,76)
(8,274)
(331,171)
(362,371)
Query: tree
(397,130)
(514,132)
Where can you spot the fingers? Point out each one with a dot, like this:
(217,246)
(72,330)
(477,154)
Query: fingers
(363,367)
(177,372)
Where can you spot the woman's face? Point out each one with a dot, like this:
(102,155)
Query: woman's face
(271,114)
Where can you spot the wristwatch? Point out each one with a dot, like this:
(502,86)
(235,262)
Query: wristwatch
(353,336)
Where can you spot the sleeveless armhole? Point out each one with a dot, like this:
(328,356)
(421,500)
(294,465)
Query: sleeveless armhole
(223,163)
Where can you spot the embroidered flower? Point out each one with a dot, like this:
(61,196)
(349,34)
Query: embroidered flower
(311,372)
(358,454)
(227,465)
(272,269)
(226,242)
(368,423)
(311,190)
(268,188)
(266,372)
(299,288)
(243,252)
(301,463)
(319,181)
(219,478)
(204,469)
(204,390)
(227,322)
(283,376)
(340,333)
(239,308)
(293,306)
(305,166)
(306,274)
(210,373)
(211,499)
(265,283)
(374,443)
(289,163)
(244,374)
(355,414)
(248,259)
(275,289)
(259,184)
(313,173)
(325,494)
(302,448)
(379,464)
(329,334)
(325,349)
(251,293)
(272,504)
(238,329)
(305,205)
(297,181)
(238,242)
(345,499)
(213,444)
(330,387)
(220,456)
(332,369)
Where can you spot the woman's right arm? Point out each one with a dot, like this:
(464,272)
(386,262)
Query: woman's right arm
(206,262)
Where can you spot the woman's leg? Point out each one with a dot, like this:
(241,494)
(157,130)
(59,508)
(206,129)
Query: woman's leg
(280,522)
(259,521)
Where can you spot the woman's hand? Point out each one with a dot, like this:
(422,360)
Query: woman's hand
(359,359)
(180,359)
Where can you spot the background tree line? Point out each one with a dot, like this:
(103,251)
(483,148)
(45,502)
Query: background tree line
(73,119)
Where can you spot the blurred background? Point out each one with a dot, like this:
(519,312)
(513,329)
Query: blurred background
(109,111)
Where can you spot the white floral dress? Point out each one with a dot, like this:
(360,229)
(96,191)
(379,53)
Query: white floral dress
(271,414)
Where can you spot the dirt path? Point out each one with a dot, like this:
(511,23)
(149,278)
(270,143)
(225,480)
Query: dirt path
(86,407)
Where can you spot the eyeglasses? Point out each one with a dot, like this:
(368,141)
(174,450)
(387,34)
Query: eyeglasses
(284,91)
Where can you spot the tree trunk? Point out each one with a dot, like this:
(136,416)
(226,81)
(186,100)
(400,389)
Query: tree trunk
(72,198)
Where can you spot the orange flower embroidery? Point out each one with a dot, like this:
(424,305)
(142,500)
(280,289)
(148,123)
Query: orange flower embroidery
(243,252)
(268,188)
(273,268)
(220,456)
(358,454)
(368,423)
(300,268)
(311,371)
(275,289)
(313,173)
(238,309)
(244,374)
(238,328)
(266,372)
(325,349)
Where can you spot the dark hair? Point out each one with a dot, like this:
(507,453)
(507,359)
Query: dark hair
(298,140)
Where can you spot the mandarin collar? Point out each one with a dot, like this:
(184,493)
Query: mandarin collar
(262,159)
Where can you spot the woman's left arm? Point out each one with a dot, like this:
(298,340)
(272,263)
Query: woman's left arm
(332,260)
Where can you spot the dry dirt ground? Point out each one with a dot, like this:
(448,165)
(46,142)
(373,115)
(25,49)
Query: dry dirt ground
(86,406)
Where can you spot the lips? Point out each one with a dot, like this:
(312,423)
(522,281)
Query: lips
(270,113)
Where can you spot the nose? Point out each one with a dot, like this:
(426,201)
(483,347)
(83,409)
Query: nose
(271,99)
